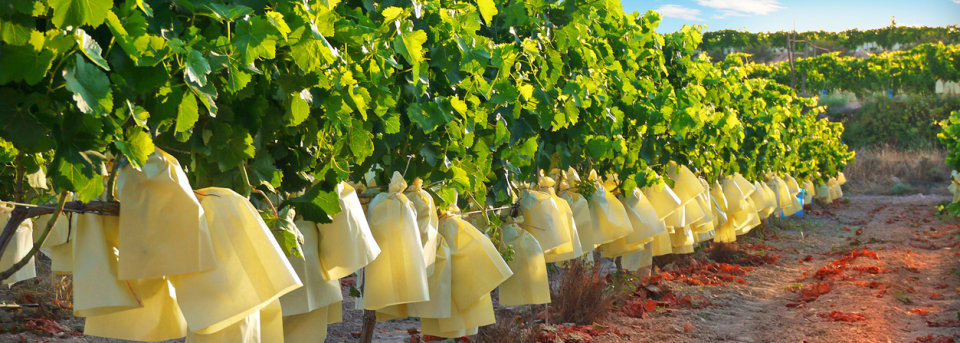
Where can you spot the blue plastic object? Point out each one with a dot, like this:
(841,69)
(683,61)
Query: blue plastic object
(800,196)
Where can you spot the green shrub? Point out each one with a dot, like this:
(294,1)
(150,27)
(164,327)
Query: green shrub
(907,122)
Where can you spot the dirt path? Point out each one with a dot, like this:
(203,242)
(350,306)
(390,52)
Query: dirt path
(914,286)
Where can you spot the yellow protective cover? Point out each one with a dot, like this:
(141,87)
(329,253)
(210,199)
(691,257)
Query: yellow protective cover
(463,322)
(779,187)
(317,292)
(311,327)
(765,199)
(748,217)
(842,179)
(746,188)
(582,217)
(686,185)
(645,223)
(162,232)
(399,274)
(571,248)
(668,206)
(477,267)
(642,258)
(544,220)
(263,326)
(159,319)
(19,246)
(835,191)
(529,283)
(724,230)
(252,271)
(793,189)
(662,245)
(439,284)
(823,193)
(809,191)
(59,244)
(610,219)
(427,221)
(96,290)
(346,244)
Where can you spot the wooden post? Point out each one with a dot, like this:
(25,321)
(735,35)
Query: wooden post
(793,75)
(369,323)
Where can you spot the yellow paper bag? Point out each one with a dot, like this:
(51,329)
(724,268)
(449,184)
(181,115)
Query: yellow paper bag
(842,179)
(399,274)
(668,206)
(96,290)
(317,292)
(835,191)
(809,191)
(642,258)
(427,221)
(571,247)
(529,284)
(463,322)
(162,227)
(59,244)
(543,219)
(582,218)
(439,284)
(477,267)
(312,326)
(19,246)
(610,219)
(252,271)
(346,244)
(159,319)
(263,326)
(645,223)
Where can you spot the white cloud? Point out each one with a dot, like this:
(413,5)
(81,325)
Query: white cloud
(956,1)
(742,7)
(680,12)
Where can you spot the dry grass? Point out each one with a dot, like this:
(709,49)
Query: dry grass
(511,327)
(887,170)
(583,295)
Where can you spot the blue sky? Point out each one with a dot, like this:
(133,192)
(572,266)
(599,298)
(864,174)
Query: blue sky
(777,15)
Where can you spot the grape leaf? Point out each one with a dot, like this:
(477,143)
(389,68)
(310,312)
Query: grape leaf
(90,48)
(90,87)
(79,12)
(187,113)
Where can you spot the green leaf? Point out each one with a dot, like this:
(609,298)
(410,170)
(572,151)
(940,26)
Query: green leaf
(311,54)
(317,205)
(143,6)
(79,12)
(299,108)
(23,63)
(187,113)
(197,68)
(136,147)
(90,48)
(460,177)
(207,95)
(236,79)
(80,172)
(413,46)
(90,87)
(361,142)
(16,30)
(276,19)
(231,147)
(139,115)
(488,9)
(227,12)
(390,14)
